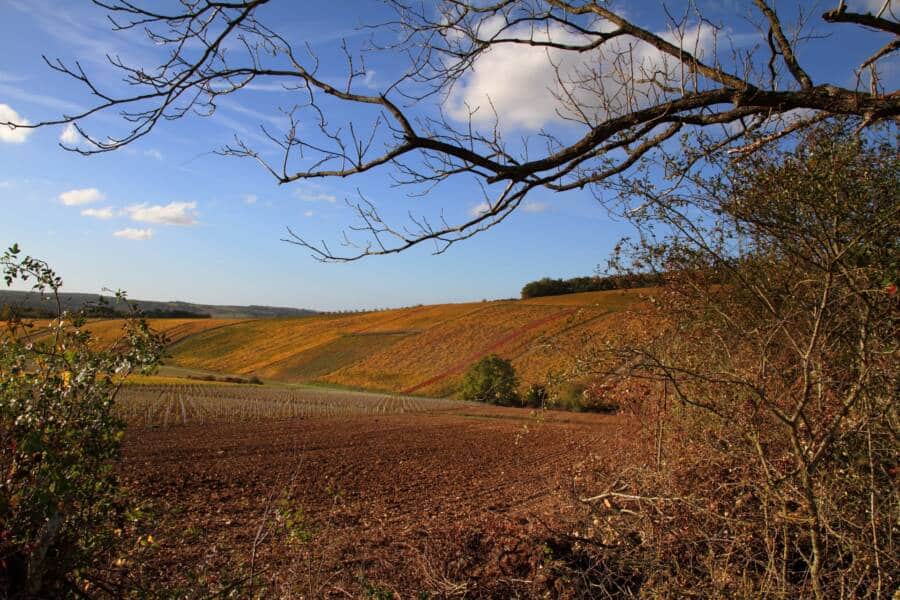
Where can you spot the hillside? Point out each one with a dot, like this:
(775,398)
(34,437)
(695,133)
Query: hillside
(421,350)
(75,301)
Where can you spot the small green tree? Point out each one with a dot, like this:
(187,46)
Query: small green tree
(59,498)
(492,379)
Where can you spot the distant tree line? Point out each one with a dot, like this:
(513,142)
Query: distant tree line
(172,313)
(11,311)
(597,283)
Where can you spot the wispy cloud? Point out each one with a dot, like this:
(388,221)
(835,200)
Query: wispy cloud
(7,76)
(479,209)
(308,213)
(240,130)
(535,207)
(80,197)
(9,133)
(273,117)
(311,193)
(250,199)
(11,91)
(64,22)
(271,87)
(99,213)
(174,213)
(369,80)
(153,153)
(129,233)
(69,135)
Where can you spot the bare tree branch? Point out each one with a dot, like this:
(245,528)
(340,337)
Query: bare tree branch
(840,15)
(618,106)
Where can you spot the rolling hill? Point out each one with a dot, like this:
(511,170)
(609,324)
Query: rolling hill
(421,350)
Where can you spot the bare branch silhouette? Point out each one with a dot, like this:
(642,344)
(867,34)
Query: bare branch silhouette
(621,90)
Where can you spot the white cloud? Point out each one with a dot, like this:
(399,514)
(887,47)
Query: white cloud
(250,199)
(535,207)
(130,233)
(98,213)
(268,87)
(479,209)
(308,213)
(153,153)
(69,135)
(174,213)
(314,194)
(82,196)
(523,84)
(8,133)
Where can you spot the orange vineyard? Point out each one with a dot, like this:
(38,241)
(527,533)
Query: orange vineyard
(420,350)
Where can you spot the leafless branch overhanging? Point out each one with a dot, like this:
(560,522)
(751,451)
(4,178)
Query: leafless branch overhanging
(618,108)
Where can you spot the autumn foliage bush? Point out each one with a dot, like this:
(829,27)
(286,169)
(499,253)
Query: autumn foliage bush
(59,497)
(767,466)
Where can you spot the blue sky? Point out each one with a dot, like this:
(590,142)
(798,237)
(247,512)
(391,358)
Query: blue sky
(166,219)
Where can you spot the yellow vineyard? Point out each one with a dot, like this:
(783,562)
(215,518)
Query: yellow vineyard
(419,350)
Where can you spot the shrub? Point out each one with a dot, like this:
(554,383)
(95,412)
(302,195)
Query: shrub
(492,379)
(768,449)
(536,396)
(59,498)
(202,377)
(570,396)
(600,397)
(581,396)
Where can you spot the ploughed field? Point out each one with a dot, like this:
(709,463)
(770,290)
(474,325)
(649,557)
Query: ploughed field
(297,492)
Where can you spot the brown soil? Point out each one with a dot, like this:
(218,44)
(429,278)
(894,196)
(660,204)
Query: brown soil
(423,505)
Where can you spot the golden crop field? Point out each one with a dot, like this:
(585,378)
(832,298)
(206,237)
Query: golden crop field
(107,331)
(445,348)
(612,299)
(252,346)
(420,350)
